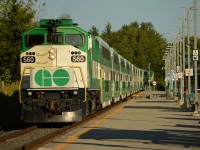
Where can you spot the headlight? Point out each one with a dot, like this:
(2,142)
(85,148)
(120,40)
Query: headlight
(51,51)
(29,93)
(75,92)
(52,57)
(51,54)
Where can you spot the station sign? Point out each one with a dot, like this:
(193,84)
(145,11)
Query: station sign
(175,75)
(180,75)
(195,55)
(195,52)
(189,72)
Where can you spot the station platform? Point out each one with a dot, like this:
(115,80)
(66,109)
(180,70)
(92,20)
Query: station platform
(140,124)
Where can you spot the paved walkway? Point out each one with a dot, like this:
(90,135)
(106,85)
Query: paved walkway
(144,124)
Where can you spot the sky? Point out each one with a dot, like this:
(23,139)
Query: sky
(162,14)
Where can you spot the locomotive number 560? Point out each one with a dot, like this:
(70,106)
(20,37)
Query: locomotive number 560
(78,58)
(28,59)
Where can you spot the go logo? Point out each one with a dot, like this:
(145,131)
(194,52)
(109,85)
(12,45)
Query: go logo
(45,77)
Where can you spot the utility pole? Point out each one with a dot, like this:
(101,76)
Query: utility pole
(181,63)
(149,81)
(188,47)
(195,57)
(183,58)
(174,67)
(178,63)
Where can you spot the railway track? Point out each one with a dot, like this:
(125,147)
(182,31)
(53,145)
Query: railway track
(45,139)
(17,133)
(33,137)
(18,139)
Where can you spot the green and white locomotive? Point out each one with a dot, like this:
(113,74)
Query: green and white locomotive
(67,73)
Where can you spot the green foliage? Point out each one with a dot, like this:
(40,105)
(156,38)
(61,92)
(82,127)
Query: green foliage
(94,31)
(15,17)
(108,29)
(140,44)
(107,33)
(6,76)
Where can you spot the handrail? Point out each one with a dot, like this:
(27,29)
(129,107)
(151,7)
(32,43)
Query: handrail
(32,67)
(101,83)
(20,85)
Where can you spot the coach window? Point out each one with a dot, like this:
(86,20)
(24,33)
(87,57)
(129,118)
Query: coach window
(113,75)
(105,53)
(116,60)
(34,39)
(122,63)
(75,39)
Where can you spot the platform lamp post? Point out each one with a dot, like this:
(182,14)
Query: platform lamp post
(175,63)
(195,58)
(170,49)
(188,19)
(149,81)
(164,58)
(182,59)
(187,77)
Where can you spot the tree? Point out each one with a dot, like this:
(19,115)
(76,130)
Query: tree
(140,44)
(64,16)
(94,31)
(15,17)
(39,9)
(107,30)
(107,34)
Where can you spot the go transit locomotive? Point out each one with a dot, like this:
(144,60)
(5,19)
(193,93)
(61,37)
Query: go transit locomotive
(67,73)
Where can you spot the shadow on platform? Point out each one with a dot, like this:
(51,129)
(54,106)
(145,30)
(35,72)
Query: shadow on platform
(156,136)
(185,138)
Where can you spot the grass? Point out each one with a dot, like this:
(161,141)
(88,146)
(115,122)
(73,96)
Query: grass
(10,89)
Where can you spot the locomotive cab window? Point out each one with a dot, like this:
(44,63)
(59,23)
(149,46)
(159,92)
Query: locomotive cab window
(54,38)
(34,39)
(75,39)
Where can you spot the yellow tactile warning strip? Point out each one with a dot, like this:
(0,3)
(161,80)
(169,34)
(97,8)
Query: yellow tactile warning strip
(75,137)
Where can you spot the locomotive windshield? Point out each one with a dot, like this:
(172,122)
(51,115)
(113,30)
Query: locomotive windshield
(34,39)
(75,39)
(54,38)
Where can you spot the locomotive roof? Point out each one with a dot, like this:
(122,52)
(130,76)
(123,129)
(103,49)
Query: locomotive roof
(56,22)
